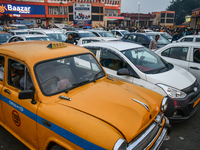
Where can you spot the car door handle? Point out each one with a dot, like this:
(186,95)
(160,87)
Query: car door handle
(5,90)
(195,68)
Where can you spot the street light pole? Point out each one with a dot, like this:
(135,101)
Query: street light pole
(99,13)
(138,14)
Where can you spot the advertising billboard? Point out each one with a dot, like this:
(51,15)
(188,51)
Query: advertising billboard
(22,9)
(82,14)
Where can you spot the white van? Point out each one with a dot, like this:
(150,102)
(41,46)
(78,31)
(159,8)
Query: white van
(138,65)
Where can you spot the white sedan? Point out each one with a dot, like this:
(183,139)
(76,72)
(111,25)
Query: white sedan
(138,65)
(189,38)
(183,54)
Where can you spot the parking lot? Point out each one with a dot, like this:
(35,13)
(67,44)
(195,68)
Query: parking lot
(184,136)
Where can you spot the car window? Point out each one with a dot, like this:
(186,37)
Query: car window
(40,39)
(187,40)
(197,39)
(176,52)
(2,62)
(161,40)
(4,37)
(95,34)
(196,55)
(93,50)
(19,76)
(106,34)
(62,74)
(89,41)
(58,36)
(141,40)
(19,33)
(118,34)
(110,60)
(14,39)
(132,38)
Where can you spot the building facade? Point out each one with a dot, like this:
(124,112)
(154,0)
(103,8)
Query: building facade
(50,12)
(164,18)
(195,20)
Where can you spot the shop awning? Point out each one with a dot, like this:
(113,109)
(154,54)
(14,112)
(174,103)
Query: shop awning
(115,18)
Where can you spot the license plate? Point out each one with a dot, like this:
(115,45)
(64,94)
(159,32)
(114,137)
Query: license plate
(195,103)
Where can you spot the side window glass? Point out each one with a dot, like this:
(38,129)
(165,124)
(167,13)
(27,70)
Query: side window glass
(142,40)
(13,39)
(179,53)
(196,56)
(2,62)
(166,53)
(95,34)
(19,76)
(111,60)
(187,40)
(132,38)
(94,51)
(118,34)
(197,39)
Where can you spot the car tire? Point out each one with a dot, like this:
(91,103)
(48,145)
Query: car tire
(57,147)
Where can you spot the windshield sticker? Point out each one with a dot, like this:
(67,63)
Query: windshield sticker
(16,118)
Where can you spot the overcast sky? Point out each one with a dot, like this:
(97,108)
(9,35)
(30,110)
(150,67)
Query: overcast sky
(146,6)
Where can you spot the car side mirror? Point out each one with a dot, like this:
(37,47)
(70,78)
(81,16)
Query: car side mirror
(27,94)
(123,71)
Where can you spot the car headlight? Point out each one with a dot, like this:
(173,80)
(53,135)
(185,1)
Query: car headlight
(164,104)
(172,92)
(121,144)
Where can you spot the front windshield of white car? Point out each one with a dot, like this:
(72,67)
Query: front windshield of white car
(166,35)
(124,32)
(145,60)
(64,74)
(106,34)
(161,40)
(58,36)
(39,39)
(87,35)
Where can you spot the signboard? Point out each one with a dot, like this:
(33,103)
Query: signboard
(24,22)
(22,9)
(82,14)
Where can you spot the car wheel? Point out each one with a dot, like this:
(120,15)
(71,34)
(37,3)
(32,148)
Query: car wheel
(57,147)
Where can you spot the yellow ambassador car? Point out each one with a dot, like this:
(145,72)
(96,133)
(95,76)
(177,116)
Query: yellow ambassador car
(57,96)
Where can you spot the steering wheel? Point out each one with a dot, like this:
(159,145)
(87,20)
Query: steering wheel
(53,79)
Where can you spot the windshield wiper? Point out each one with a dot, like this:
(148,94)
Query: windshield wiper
(96,75)
(77,85)
(159,70)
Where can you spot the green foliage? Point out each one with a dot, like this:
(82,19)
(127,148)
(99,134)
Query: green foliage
(183,8)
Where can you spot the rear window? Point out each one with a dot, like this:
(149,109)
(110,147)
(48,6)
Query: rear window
(197,39)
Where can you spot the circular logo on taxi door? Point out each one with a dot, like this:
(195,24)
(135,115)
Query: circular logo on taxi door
(16,118)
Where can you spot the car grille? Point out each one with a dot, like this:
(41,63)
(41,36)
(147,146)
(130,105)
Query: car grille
(147,137)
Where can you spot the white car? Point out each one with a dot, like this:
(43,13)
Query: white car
(95,39)
(28,37)
(119,33)
(183,54)
(138,65)
(102,33)
(19,26)
(18,32)
(189,38)
(58,35)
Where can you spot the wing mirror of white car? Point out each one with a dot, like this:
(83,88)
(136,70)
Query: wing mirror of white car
(123,71)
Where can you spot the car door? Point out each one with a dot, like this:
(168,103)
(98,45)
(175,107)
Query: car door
(194,64)
(112,63)
(177,55)
(20,115)
(2,66)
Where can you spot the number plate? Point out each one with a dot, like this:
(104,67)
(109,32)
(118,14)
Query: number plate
(195,103)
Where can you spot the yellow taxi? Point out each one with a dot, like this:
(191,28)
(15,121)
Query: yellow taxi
(57,96)
(7,29)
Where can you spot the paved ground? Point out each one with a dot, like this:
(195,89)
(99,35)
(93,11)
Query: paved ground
(184,136)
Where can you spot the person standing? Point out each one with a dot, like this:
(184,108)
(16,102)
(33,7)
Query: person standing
(154,43)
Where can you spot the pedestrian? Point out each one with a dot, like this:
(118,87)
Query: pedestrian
(70,39)
(154,43)
(176,36)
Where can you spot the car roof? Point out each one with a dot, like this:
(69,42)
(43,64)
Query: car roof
(120,30)
(118,45)
(17,25)
(97,31)
(46,31)
(191,36)
(194,44)
(19,31)
(32,52)
(30,35)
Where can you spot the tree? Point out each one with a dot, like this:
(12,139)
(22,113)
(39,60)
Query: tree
(182,8)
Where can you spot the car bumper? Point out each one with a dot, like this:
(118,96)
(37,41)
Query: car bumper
(181,109)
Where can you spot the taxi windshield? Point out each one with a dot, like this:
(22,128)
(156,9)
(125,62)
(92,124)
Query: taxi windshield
(146,61)
(63,74)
